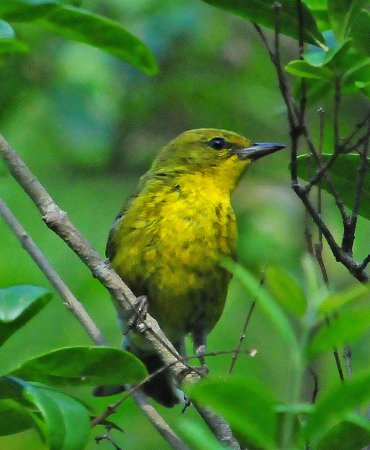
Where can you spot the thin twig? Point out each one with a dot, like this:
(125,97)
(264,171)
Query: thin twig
(73,305)
(349,231)
(244,329)
(131,390)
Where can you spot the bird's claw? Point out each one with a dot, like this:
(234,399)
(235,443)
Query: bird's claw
(136,322)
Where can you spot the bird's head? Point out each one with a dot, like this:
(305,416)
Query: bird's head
(217,153)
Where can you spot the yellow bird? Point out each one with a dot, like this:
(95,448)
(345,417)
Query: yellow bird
(167,241)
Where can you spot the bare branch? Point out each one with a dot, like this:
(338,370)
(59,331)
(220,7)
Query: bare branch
(73,305)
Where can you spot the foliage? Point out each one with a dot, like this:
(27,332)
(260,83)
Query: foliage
(62,421)
(255,413)
(76,24)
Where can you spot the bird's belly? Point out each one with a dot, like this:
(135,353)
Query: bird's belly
(173,257)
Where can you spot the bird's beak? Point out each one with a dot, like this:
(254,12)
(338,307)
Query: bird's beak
(257,150)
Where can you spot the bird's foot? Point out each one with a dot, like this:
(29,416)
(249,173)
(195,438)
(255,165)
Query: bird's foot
(136,322)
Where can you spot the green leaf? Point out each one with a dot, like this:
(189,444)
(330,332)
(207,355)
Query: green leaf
(66,421)
(345,329)
(83,366)
(63,421)
(336,300)
(346,436)
(26,10)
(14,418)
(332,57)
(286,290)
(343,173)
(305,70)
(82,26)
(336,405)
(342,13)
(18,304)
(262,12)
(249,407)
(271,308)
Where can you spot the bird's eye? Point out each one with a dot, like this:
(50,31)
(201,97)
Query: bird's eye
(217,143)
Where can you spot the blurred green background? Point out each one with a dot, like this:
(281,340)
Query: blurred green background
(89,125)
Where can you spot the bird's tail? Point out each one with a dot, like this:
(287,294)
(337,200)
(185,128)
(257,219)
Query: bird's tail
(161,387)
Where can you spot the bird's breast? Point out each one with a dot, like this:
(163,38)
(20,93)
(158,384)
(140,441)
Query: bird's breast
(169,244)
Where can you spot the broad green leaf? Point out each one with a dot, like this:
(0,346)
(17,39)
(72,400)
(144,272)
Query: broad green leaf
(26,10)
(336,405)
(262,12)
(336,300)
(342,13)
(343,173)
(345,329)
(303,69)
(271,308)
(246,404)
(14,418)
(83,366)
(82,26)
(345,436)
(63,421)
(18,304)
(66,421)
(286,290)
